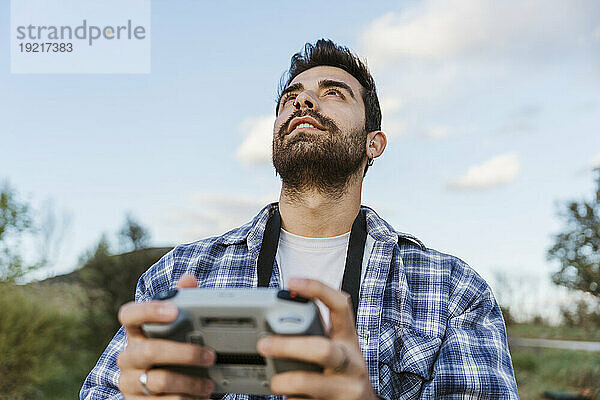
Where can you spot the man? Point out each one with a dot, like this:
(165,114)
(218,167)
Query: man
(427,326)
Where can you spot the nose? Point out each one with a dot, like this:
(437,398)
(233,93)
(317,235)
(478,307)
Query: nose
(306,100)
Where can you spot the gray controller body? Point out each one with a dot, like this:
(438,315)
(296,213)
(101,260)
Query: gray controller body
(231,321)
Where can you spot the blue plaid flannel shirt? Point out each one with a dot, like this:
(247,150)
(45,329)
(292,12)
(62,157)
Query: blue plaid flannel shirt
(428,324)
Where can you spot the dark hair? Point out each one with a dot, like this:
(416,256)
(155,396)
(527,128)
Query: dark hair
(326,52)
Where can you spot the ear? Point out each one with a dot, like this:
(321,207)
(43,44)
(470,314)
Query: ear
(376,142)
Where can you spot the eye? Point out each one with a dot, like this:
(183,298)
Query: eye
(286,98)
(334,92)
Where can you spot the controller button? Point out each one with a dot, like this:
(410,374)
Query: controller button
(292,296)
(291,319)
(196,338)
(166,294)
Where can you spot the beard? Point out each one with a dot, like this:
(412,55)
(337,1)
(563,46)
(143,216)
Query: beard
(324,162)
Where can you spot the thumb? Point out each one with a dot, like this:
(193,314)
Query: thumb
(187,281)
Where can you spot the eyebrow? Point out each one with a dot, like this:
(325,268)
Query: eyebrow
(328,83)
(324,84)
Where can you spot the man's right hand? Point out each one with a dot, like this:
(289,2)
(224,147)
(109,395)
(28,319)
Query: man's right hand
(142,353)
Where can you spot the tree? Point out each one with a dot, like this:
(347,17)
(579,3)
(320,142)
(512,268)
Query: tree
(133,235)
(39,230)
(110,281)
(577,248)
(15,220)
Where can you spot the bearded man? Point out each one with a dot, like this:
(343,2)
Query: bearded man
(415,324)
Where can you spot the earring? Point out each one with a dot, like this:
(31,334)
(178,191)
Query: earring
(370,161)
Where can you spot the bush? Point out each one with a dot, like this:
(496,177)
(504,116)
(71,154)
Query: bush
(509,319)
(36,336)
(582,314)
(110,282)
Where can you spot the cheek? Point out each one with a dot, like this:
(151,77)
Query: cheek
(279,121)
(350,119)
(277,127)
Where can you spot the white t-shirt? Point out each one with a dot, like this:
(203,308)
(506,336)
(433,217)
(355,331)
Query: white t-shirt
(321,259)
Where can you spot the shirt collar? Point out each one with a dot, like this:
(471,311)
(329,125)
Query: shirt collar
(252,232)
(380,230)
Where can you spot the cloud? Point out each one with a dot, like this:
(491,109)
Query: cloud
(528,111)
(257,145)
(390,104)
(455,63)
(393,127)
(595,163)
(436,30)
(437,132)
(211,213)
(596,33)
(497,171)
(390,123)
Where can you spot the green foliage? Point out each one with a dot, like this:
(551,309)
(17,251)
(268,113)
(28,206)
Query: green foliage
(577,248)
(38,334)
(15,220)
(51,334)
(581,315)
(507,315)
(14,214)
(110,281)
(133,235)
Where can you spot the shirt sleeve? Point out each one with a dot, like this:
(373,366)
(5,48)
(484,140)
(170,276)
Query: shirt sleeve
(103,381)
(474,360)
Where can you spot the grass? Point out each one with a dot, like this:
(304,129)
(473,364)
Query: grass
(539,370)
(554,332)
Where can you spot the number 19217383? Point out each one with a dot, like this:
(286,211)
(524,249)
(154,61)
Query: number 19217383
(47,47)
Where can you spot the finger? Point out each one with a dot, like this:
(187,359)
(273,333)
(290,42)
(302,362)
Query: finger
(298,398)
(311,384)
(163,397)
(315,349)
(338,302)
(161,381)
(187,281)
(146,353)
(133,315)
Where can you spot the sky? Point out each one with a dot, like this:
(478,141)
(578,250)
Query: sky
(491,109)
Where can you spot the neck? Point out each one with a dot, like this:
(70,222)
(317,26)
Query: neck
(315,214)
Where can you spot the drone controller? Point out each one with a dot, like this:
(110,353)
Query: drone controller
(231,321)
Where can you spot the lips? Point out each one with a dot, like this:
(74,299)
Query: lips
(304,123)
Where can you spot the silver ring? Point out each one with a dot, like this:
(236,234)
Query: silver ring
(143,381)
(343,366)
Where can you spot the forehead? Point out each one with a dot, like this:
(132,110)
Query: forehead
(311,77)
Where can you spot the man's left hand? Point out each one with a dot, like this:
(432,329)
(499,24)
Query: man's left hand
(345,374)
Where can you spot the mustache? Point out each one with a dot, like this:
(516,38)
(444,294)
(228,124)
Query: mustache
(327,123)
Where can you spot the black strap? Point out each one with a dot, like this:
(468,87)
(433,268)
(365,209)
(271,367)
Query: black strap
(268,249)
(354,256)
